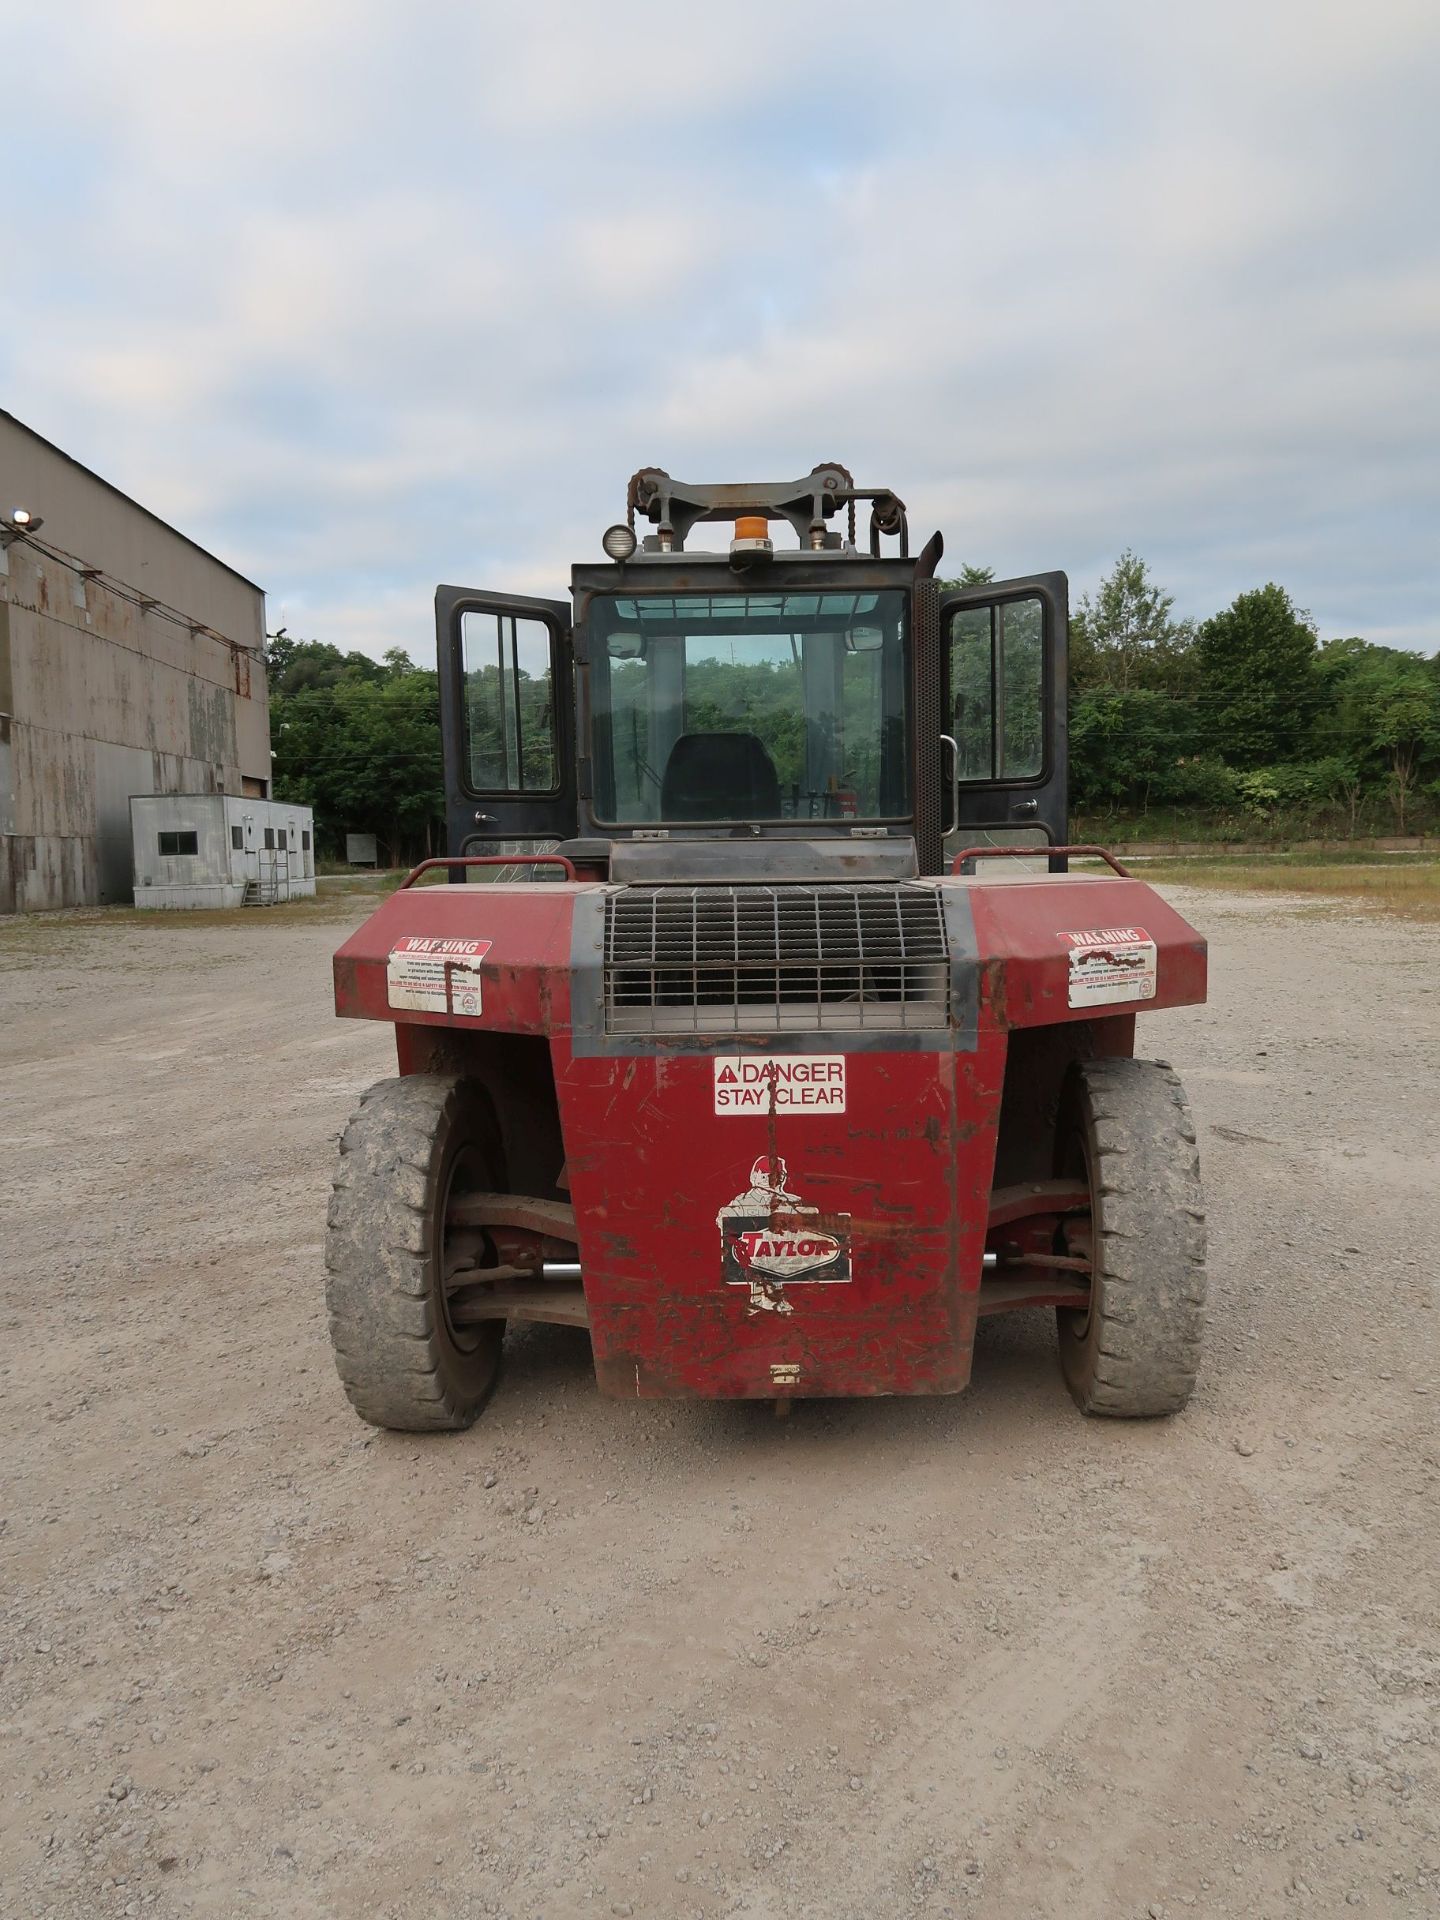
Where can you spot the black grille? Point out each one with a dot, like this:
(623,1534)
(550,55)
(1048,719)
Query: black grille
(776,959)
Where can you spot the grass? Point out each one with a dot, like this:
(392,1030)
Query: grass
(1195,827)
(336,899)
(1402,883)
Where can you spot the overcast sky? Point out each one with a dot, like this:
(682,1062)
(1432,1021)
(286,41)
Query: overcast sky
(365,297)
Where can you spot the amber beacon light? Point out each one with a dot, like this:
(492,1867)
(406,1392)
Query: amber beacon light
(752,537)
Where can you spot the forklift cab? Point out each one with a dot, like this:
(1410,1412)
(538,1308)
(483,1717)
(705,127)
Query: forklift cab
(805,700)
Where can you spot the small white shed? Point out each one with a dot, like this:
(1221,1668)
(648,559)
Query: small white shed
(220,850)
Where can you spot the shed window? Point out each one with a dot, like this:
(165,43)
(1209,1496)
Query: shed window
(237,839)
(179,843)
(270,839)
(305,839)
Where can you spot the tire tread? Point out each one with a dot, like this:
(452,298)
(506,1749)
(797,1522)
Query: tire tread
(397,1366)
(1140,1353)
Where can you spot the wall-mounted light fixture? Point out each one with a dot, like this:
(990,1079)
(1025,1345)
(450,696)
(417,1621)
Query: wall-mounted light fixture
(17,523)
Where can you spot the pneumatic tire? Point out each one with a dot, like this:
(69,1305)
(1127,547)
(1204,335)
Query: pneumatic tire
(403,1363)
(1125,1126)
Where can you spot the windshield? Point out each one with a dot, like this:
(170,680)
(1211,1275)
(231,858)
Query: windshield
(750,706)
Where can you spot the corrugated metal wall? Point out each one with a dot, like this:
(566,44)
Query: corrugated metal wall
(101,698)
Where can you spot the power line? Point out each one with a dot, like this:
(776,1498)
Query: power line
(147,603)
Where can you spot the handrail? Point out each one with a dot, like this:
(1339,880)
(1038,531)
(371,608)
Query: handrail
(491,860)
(1034,853)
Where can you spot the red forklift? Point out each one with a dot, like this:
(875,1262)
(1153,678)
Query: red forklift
(760,1019)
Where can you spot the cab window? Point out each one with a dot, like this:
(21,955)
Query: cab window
(509,703)
(997,690)
(750,707)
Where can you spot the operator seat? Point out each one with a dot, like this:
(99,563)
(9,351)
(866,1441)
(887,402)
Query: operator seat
(719,776)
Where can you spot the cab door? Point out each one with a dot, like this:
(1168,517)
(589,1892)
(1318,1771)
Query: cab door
(507,721)
(1004,648)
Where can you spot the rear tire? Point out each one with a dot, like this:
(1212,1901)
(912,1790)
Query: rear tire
(402,1363)
(1125,1126)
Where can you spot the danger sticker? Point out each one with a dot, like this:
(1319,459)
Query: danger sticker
(1109,964)
(785,1083)
(435,976)
(769,1239)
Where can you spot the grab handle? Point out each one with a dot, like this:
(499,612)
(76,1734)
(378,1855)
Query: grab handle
(491,860)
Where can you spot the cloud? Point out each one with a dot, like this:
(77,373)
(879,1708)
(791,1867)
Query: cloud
(366,298)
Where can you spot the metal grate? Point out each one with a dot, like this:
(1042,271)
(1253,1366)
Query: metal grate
(777,959)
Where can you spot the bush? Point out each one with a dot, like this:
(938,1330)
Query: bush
(1202,781)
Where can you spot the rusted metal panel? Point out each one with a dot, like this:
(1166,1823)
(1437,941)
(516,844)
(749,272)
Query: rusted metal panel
(543,1303)
(54,775)
(119,773)
(544,1217)
(86,515)
(873,1213)
(7,708)
(785,1251)
(210,729)
(1005,1295)
(1049,1197)
(524,978)
(123,640)
(50,870)
(1024,931)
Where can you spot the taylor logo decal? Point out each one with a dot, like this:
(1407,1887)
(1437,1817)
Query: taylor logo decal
(769,1239)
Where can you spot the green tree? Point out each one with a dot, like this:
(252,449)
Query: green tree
(396,663)
(293,665)
(364,752)
(1128,749)
(1383,714)
(1258,680)
(1125,638)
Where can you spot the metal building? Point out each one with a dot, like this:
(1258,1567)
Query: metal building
(131,662)
(220,850)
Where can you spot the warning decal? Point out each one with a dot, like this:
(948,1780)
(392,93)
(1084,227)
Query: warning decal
(1109,964)
(782,1083)
(435,976)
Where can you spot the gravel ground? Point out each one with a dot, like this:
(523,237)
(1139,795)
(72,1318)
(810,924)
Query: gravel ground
(975,1656)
